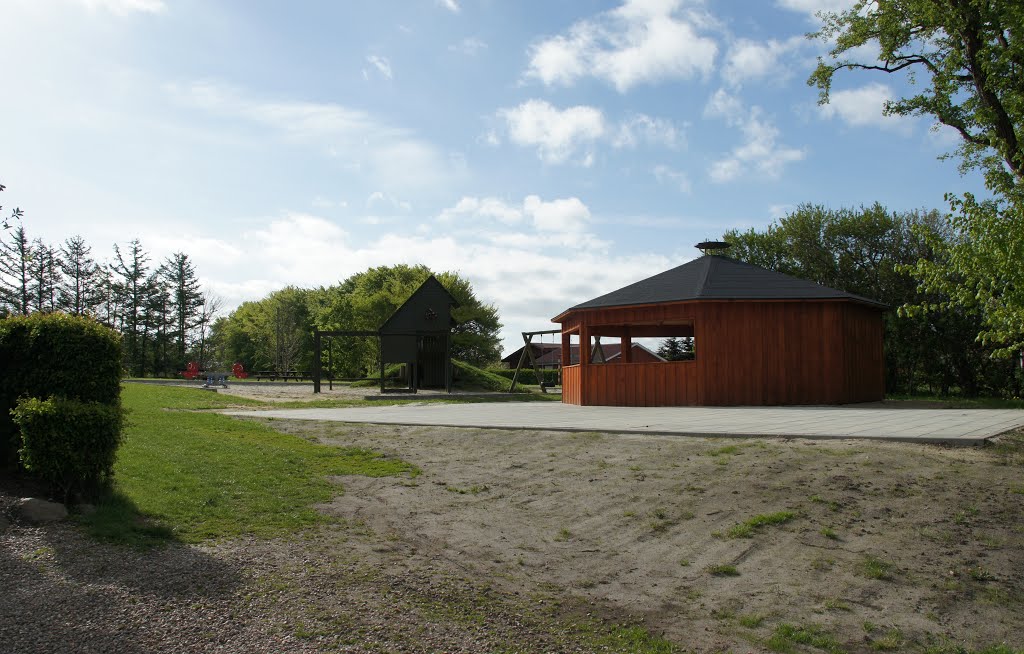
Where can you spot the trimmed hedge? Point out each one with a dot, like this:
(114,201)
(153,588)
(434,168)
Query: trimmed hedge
(69,444)
(54,355)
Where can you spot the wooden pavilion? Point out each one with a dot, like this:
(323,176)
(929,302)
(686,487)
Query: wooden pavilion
(760,337)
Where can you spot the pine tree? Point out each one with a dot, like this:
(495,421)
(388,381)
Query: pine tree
(81,290)
(45,271)
(686,350)
(670,349)
(133,285)
(186,300)
(15,274)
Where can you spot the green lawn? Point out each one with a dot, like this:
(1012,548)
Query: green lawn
(189,475)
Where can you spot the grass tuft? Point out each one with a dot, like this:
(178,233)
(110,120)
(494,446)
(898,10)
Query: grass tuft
(723,570)
(747,528)
(874,568)
(787,635)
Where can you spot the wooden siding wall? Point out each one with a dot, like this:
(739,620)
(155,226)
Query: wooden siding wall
(865,358)
(747,353)
(641,384)
(571,385)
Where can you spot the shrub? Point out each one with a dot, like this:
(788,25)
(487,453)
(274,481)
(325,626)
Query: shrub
(69,444)
(54,355)
(526,375)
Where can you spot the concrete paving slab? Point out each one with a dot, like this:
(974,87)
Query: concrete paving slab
(949,426)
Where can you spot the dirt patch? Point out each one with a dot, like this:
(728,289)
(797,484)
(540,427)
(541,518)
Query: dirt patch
(877,545)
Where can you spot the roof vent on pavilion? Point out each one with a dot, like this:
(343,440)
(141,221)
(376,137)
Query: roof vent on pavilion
(712,247)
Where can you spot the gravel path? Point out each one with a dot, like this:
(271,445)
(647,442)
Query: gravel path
(339,589)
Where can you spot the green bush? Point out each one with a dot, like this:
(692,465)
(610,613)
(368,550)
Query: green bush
(54,355)
(69,444)
(526,375)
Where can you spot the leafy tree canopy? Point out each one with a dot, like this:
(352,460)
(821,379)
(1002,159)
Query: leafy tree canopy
(965,59)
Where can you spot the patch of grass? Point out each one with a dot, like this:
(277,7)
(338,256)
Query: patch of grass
(563,535)
(835,604)
(747,528)
(891,641)
(964,517)
(726,449)
(833,505)
(787,635)
(978,573)
(634,638)
(875,568)
(472,490)
(752,621)
(195,476)
(723,570)
(945,646)
(829,533)
(684,562)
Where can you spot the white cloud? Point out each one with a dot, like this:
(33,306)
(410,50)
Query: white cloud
(559,223)
(392,156)
(760,152)
(642,128)
(122,7)
(486,208)
(469,46)
(557,134)
(382,65)
(671,177)
(723,104)
(521,269)
(642,41)
(321,202)
(779,211)
(450,5)
(379,198)
(863,107)
(561,135)
(752,60)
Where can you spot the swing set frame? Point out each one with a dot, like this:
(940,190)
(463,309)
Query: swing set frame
(528,353)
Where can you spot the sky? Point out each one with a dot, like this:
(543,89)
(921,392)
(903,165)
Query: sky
(549,151)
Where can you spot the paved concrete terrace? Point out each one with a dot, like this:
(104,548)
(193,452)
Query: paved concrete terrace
(950,426)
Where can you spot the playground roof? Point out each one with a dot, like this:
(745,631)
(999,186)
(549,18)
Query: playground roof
(716,277)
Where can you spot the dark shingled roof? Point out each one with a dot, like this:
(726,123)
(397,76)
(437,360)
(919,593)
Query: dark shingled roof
(719,278)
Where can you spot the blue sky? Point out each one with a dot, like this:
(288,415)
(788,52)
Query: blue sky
(549,151)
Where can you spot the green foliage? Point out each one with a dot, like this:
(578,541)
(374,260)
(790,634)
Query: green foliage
(467,377)
(274,333)
(676,349)
(981,271)
(970,58)
(277,330)
(57,355)
(526,375)
(68,444)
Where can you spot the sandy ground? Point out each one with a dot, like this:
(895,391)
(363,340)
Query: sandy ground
(891,545)
(514,540)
